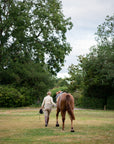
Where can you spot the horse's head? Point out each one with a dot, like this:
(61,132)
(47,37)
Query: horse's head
(58,92)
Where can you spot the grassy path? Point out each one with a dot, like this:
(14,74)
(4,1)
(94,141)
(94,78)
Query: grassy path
(26,126)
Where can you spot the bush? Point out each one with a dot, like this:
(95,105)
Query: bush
(94,103)
(77,94)
(87,102)
(10,97)
(30,79)
(110,103)
(26,92)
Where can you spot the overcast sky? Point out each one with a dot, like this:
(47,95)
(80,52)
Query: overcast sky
(85,15)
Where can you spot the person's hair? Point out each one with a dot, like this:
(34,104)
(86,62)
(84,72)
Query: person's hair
(49,93)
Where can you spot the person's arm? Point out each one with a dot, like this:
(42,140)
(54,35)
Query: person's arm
(52,101)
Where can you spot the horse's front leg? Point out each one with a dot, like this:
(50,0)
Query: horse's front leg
(57,124)
(72,129)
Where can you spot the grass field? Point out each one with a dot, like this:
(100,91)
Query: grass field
(26,126)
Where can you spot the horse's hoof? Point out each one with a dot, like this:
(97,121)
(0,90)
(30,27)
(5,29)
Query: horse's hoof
(72,130)
(57,125)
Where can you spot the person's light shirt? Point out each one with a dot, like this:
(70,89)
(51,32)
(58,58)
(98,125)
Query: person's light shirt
(48,101)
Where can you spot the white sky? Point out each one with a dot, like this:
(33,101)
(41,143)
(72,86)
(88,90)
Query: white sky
(85,15)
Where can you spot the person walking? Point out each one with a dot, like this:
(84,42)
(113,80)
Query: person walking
(47,104)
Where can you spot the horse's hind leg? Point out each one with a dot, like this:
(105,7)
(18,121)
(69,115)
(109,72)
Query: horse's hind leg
(72,130)
(57,124)
(63,119)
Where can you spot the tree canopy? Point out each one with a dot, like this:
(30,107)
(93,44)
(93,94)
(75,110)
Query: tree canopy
(33,30)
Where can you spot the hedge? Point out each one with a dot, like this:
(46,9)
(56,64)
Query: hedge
(10,97)
(87,102)
(95,103)
(110,103)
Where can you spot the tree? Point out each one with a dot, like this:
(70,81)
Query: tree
(33,30)
(98,66)
(60,82)
(29,79)
(105,32)
(33,44)
(76,77)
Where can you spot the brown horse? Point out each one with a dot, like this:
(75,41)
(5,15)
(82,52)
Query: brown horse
(65,102)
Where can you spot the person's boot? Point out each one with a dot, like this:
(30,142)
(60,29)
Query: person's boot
(46,120)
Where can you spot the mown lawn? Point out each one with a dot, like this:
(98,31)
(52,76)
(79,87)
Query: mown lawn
(26,126)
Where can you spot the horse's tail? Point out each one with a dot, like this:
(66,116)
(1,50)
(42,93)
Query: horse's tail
(69,107)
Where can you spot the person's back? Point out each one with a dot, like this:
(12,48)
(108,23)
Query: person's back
(48,101)
(47,105)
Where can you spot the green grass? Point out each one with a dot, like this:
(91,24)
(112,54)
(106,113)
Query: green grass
(26,126)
